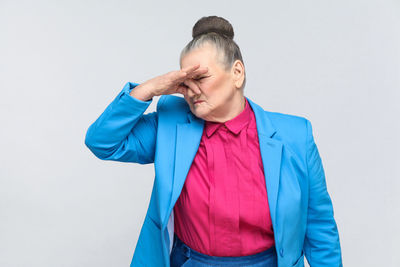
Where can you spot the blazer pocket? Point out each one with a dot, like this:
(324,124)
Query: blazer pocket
(300,260)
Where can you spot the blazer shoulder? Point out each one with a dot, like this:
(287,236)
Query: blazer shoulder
(291,129)
(172,103)
(285,120)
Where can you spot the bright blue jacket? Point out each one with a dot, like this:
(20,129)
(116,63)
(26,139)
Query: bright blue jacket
(300,206)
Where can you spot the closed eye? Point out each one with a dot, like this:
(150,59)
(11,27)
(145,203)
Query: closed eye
(199,78)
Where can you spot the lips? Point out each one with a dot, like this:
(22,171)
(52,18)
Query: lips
(198,101)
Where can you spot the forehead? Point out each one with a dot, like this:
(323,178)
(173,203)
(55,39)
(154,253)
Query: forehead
(205,55)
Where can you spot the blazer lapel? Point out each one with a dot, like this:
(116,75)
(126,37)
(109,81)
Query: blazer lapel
(188,137)
(271,154)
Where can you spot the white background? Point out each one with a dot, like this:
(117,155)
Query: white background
(62,62)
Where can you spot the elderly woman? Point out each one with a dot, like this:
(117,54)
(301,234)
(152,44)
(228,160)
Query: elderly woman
(235,185)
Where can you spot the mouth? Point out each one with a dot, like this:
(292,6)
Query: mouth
(198,101)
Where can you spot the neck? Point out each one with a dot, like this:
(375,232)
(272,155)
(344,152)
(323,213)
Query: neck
(231,109)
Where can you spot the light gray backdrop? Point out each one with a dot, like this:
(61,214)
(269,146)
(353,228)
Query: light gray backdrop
(62,62)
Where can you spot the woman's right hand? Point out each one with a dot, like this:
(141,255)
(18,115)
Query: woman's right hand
(169,83)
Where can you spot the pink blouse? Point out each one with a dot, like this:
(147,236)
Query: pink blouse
(223,207)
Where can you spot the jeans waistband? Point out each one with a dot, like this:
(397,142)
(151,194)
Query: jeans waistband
(190,253)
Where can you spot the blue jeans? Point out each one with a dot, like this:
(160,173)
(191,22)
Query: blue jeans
(183,255)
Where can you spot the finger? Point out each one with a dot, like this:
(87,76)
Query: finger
(182,89)
(179,90)
(198,72)
(177,77)
(191,68)
(182,75)
(193,86)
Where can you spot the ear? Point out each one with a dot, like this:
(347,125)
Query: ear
(238,73)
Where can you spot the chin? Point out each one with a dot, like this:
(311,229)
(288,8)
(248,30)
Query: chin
(199,113)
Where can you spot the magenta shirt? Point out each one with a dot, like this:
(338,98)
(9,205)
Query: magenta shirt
(223,207)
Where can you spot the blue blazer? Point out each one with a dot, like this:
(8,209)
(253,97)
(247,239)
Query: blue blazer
(299,203)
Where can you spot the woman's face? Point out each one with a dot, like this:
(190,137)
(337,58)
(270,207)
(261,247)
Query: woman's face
(218,88)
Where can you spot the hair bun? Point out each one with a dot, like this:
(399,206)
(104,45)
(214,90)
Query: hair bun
(215,24)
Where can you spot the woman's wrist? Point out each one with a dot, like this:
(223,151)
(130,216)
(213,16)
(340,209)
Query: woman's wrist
(142,92)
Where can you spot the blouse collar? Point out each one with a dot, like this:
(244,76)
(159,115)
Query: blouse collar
(235,124)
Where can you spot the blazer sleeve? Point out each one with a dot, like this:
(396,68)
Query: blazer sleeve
(321,245)
(122,132)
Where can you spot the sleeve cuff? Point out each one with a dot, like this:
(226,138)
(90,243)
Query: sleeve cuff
(129,86)
(132,101)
